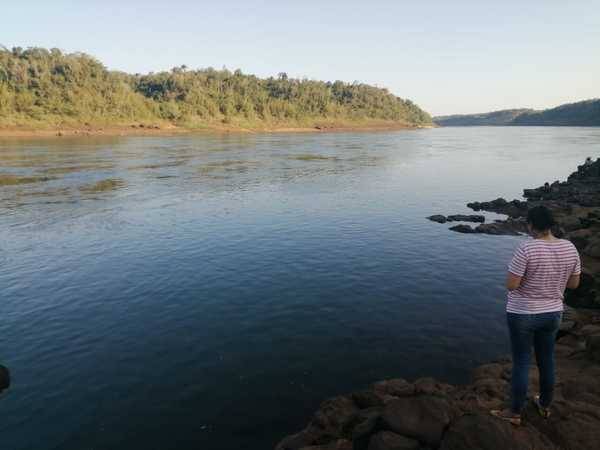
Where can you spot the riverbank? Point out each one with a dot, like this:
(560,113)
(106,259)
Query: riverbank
(428,414)
(166,129)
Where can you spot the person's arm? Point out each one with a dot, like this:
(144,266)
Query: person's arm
(516,269)
(575,277)
(513,281)
(573,282)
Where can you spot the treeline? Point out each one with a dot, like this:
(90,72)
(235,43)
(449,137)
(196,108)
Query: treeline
(494,118)
(48,86)
(584,113)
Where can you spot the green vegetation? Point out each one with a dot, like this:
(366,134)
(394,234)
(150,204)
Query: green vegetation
(109,184)
(8,179)
(585,113)
(50,88)
(309,157)
(503,117)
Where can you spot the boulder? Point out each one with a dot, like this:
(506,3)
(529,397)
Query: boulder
(570,223)
(580,238)
(502,228)
(422,417)
(466,218)
(592,345)
(437,218)
(481,431)
(515,208)
(586,295)
(333,419)
(386,440)
(365,425)
(367,399)
(590,330)
(295,441)
(462,228)
(593,246)
(396,387)
(491,370)
(340,444)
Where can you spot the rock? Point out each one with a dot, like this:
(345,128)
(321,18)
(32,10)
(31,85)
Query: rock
(592,345)
(422,417)
(386,440)
(340,444)
(366,424)
(565,327)
(491,387)
(333,419)
(366,399)
(426,386)
(580,238)
(483,432)
(437,218)
(508,227)
(4,378)
(492,370)
(513,209)
(570,223)
(334,415)
(590,330)
(462,228)
(295,441)
(397,387)
(586,295)
(466,218)
(593,249)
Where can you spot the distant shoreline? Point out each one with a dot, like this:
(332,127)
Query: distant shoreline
(141,129)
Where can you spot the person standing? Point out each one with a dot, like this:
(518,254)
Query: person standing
(538,274)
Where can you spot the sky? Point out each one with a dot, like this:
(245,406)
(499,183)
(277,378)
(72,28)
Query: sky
(449,57)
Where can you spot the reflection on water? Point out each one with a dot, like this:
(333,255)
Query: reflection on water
(209,291)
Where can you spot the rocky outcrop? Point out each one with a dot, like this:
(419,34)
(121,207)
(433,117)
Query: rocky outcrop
(427,414)
(512,227)
(515,208)
(457,218)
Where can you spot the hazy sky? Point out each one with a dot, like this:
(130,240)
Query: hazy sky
(447,56)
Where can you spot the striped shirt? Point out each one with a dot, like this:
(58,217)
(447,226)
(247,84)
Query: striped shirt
(545,268)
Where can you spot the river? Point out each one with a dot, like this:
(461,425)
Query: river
(209,291)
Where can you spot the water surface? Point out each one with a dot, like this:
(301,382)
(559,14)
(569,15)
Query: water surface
(209,291)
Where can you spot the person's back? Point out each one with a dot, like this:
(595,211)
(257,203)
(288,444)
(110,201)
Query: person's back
(538,274)
(545,268)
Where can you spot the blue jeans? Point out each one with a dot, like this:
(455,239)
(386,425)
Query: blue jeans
(537,331)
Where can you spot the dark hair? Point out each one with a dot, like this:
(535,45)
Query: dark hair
(540,218)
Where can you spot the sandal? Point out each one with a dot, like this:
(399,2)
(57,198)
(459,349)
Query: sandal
(544,412)
(508,415)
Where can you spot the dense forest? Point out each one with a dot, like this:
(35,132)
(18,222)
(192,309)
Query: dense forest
(585,113)
(49,87)
(503,117)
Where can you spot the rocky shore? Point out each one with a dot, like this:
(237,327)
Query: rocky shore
(428,414)
(168,129)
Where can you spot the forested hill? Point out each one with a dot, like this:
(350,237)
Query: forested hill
(585,113)
(503,117)
(39,86)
